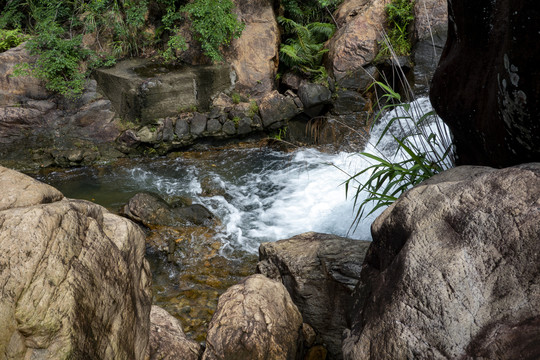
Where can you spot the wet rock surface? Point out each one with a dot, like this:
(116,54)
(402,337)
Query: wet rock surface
(151,210)
(453,271)
(255,319)
(75,281)
(320,272)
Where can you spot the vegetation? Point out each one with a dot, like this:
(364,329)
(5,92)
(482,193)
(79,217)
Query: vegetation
(214,24)
(423,148)
(307,26)
(304,52)
(11,38)
(399,17)
(117,28)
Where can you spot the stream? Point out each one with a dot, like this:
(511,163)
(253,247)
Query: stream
(258,194)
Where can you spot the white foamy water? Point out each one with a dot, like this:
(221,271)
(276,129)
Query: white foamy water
(258,194)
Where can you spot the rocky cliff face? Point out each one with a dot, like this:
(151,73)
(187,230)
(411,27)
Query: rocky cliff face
(75,284)
(42,128)
(454,271)
(486,84)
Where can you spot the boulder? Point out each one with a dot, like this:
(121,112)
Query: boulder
(348,102)
(453,271)
(314,97)
(360,79)
(276,108)
(355,43)
(167,339)
(254,55)
(486,85)
(151,210)
(14,89)
(198,124)
(320,272)
(255,319)
(75,283)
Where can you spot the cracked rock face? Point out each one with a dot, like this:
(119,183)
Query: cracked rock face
(320,272)
(454,271)
(255,319)
(73,279)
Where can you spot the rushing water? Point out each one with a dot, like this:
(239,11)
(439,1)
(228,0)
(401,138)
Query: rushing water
(259,195)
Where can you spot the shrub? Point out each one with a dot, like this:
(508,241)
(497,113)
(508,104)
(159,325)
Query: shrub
(60,60)
(399,16)
(214,25)
(11,38)
(304,51)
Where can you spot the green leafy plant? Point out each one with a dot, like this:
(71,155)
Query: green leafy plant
(400,14)
(304,51)
(11,38)
(280,135)
(214,25)
(308,11)
(253,109)
(236,98)
(423,148)
(59,60)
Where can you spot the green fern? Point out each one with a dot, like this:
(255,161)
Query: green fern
(304,51)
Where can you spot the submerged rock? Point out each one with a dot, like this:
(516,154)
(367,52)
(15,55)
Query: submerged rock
(320,272)
(151,210)
(75,283)
(255,319)
(454,271)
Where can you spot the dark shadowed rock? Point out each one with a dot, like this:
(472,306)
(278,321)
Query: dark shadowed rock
(168,130)
(150,209)
(359,79)
(167,339)
(255,319)
(198,124)
(275,108)
(75,283)
(348,102)
(320,272)
(454,271)
(486,85)
(314,97)
(181,128)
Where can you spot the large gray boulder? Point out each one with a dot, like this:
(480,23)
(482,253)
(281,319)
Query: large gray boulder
(75,284)
(255,319)
(320,272)
(454,271)
(167,339)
